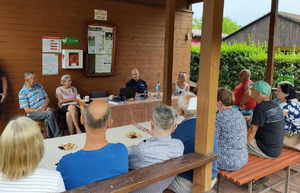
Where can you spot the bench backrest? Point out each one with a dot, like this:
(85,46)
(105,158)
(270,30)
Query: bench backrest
(140,178)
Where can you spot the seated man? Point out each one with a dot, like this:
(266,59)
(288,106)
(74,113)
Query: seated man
(185,131)
(135,82)
(159,148)
(98,160)
(242,95)
(34,100)
(265,135)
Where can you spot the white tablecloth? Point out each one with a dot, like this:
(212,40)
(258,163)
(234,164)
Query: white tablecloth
(113,135)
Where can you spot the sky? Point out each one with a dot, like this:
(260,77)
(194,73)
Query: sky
(246,11)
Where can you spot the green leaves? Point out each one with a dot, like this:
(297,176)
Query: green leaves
(235,57)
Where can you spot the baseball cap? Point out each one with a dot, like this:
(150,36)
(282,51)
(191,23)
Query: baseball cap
(262,87)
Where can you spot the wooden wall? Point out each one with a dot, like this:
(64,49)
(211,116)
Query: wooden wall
(140,42)
(258,32)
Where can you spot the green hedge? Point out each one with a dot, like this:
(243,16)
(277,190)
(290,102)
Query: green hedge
(235,57)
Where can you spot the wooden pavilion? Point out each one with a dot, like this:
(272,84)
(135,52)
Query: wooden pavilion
(207,97)
(207,92)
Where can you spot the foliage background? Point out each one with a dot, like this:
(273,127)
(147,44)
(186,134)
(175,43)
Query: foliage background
(235,57)
(228,27)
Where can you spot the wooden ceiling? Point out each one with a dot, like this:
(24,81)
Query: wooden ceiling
(156,3)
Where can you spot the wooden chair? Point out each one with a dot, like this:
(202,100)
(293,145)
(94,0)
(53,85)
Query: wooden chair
(140,178)
(258,167)
(44,129)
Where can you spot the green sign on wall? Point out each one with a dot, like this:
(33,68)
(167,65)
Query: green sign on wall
(70,40)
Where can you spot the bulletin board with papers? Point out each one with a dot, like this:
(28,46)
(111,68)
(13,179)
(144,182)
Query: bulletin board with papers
(101,49)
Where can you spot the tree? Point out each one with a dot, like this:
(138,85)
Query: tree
(229,26)
(197,23)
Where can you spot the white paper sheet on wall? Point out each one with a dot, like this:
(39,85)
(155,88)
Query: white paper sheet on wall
(100,40)
(50,64)
(103,63)
(51,44)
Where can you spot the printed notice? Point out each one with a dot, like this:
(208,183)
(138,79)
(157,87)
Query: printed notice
(103,63)
(51,44)
(100,15)
(50,64)
(100,40)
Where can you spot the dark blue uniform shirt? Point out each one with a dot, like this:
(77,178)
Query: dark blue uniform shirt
(139,85)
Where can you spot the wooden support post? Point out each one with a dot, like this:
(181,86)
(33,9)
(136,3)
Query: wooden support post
(272,42)
(169,49)
(207,88)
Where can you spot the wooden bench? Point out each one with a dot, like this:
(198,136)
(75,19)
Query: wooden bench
(258,167)
(140,178)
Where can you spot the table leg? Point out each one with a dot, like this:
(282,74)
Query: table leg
(218,183)
(250,187)
(288,175)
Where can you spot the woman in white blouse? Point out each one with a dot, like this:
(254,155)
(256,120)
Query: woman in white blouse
(67,102)
(181,85)
(21,150)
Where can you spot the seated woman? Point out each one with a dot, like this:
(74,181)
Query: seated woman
(232,132)
(66,95)
(21,150)
(286,95)
(181,85)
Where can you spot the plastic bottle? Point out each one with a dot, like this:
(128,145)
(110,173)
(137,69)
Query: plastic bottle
(157,90)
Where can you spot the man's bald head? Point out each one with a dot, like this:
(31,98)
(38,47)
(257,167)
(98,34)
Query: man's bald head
(96,114)
(135,74)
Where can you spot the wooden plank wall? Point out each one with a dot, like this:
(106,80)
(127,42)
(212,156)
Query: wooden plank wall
(288,33)
(140,42)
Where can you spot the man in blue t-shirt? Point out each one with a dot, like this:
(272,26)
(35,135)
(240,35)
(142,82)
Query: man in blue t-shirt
(98,160)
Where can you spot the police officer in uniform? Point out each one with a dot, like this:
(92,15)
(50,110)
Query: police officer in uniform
(135,82)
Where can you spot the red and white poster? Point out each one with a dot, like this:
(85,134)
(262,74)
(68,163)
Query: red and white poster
(51,44)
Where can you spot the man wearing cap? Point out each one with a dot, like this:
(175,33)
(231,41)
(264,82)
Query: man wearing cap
(265,135)
(97,160)
(242,95)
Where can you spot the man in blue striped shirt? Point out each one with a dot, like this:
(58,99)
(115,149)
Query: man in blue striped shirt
(34,100)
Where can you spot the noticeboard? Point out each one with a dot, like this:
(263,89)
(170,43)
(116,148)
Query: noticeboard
(101,50)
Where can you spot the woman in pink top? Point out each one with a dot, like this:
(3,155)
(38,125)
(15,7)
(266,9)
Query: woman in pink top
(66,95)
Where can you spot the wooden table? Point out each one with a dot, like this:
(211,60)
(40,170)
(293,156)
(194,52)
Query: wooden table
(113,135)
(132,112)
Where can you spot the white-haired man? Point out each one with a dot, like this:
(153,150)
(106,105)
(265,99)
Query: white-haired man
(34,100)
(159,148)
(185,131)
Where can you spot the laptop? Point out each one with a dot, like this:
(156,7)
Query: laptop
(127,93)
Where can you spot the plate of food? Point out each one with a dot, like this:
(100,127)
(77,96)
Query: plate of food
(133,135)
(67,146)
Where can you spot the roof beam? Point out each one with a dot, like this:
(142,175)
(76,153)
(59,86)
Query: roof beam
(207,88)
(152,3)
(169,51)
(272,42)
